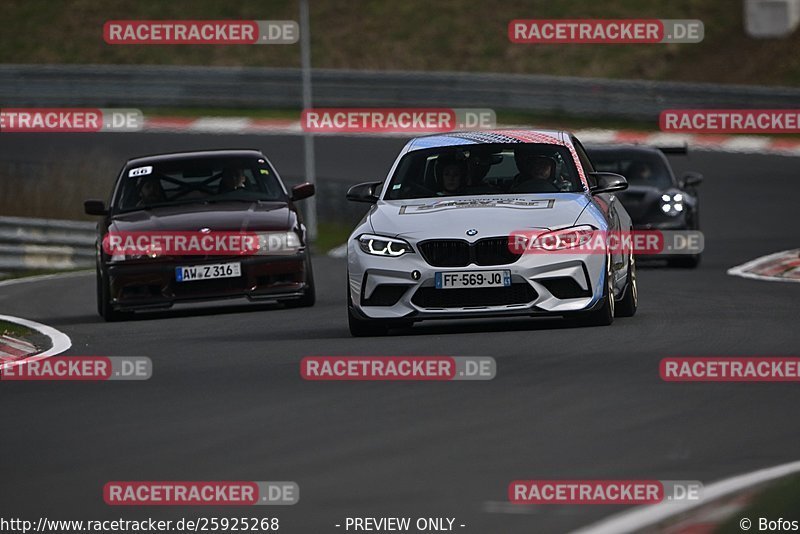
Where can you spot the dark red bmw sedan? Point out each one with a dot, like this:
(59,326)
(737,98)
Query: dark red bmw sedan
(197,226)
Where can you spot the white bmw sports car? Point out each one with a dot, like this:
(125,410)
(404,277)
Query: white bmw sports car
(486,224)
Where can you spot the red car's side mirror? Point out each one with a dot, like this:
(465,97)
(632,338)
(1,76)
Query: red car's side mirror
(304,190)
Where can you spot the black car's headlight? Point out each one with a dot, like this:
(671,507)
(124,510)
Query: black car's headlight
(278,243)
(378,245)
(672,204)
(151,254)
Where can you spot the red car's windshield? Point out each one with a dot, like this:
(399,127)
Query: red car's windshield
(180,181)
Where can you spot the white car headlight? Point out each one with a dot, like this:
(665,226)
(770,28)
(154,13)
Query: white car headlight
(383,246)
(572,237)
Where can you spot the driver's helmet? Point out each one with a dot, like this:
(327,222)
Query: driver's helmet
(150,189)
(444,161)
(640,171)
(531,163)
(230,179)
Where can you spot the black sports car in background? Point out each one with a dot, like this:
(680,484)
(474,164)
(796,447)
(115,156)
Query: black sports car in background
(655,198)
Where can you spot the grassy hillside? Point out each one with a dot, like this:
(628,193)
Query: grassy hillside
(459,35)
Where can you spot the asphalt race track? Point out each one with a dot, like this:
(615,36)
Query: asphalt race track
(226,401)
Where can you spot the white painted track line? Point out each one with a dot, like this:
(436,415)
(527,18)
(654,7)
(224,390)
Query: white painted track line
(647,516)
(60,342)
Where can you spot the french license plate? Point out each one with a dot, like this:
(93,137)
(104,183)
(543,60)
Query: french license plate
(460,279)
(208,272)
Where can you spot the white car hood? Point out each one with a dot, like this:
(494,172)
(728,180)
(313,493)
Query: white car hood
(495,215)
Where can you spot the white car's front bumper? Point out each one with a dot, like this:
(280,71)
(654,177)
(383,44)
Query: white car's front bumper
(404,287)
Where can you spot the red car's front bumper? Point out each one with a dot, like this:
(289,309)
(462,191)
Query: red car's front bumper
(142,285)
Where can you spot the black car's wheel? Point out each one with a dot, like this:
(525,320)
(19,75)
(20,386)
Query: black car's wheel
(630,301)
(685,262)
(309,294)
(604,315)
(104,307)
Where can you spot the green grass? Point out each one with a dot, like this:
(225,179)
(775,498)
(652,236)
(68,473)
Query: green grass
(15,330)
(451,35)
(330,235)
(780,500)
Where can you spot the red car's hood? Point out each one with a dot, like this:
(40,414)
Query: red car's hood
(228,216)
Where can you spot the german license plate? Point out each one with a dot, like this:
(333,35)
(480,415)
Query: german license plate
(208,272)
(461,279)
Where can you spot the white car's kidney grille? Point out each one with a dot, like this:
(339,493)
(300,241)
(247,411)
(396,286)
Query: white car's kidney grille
(460,253)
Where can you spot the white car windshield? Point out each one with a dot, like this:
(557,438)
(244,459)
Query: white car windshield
(485,170)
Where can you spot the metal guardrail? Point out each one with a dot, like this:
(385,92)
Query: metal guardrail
(237,87)
(45,244)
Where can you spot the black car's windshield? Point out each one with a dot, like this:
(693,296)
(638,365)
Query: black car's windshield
(640,169)
(484,170)
(192,180)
